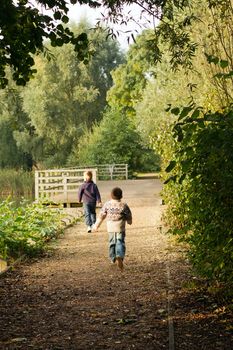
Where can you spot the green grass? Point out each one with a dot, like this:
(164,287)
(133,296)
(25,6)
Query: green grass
(16,183)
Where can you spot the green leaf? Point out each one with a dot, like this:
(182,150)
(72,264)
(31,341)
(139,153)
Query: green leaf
(212,59)
(82,37)
(65,19)
(57,15)
(195,114)
(219,75)
(180,136)
(223,63)
(59,42)
(175,110)
(185,164)
(181,179)
(185,111)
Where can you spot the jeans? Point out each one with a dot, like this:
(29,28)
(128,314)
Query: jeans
(89,213)
(116,245)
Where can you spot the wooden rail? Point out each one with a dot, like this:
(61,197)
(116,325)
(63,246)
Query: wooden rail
(60,185)
(110,171)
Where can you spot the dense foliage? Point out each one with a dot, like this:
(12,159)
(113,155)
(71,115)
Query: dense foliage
(115,140)
(42,122)
(200,212)
(197,155)
(25,229)
(26,25)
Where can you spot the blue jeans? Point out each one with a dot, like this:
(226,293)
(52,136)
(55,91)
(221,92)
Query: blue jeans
(116,245)
(89,213)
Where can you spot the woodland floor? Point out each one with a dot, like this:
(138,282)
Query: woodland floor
(74,299)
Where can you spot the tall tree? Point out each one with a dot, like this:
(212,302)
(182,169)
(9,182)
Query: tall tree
(24,26)
(131,77)
(68,95)
(114,140)
(12,121)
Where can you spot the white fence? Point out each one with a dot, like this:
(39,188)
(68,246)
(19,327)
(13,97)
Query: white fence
(59,185)
(109,171)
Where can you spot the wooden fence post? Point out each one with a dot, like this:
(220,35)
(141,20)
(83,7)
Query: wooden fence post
(65,186)
(36,185)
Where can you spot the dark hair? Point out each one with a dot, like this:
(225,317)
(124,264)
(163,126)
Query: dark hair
(116,193)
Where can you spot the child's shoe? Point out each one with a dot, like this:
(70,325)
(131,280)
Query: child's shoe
(120,263)
(88,229)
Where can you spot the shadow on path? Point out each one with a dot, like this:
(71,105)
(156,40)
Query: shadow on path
(74,299)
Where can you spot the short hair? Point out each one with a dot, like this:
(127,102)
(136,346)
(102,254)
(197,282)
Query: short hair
(88,174)
(116,193)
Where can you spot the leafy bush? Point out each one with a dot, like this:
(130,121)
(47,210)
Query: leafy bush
(25,229)
(200,187)
(114,140)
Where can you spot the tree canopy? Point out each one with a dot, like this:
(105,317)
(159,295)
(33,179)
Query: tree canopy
(114,140)
(26,26)
(45,119)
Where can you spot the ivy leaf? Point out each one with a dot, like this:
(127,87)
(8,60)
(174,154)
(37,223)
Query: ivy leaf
(65,19)
(57,15)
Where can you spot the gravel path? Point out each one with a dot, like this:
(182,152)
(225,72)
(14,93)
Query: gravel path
(74,299)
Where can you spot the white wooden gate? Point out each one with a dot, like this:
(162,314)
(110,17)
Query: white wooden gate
(60,185)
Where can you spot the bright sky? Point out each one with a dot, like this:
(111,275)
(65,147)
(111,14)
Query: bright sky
(93,15)
(123,32)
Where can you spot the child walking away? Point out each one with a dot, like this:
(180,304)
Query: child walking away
(89,194)
(117,214)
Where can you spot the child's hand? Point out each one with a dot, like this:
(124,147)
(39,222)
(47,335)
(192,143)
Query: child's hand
(94,228)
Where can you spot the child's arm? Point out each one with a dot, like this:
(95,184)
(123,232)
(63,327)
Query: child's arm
(97,224)
(102,216)
(128,215)
(98,197)
(80,193)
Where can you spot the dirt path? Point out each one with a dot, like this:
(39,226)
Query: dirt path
(74,299)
